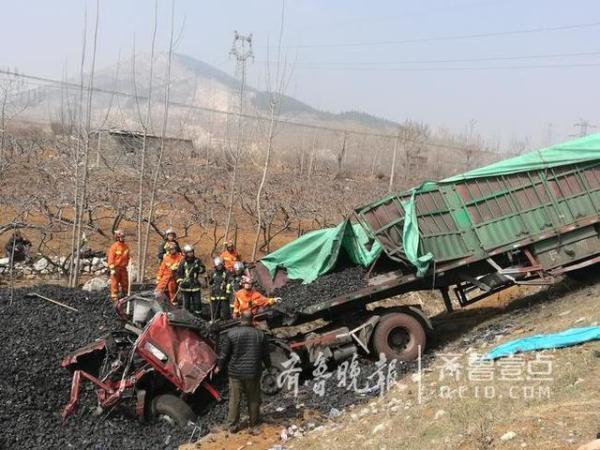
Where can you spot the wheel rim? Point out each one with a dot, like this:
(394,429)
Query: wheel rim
(167,419)
(398,339)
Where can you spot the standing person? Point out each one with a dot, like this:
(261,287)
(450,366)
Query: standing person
(249,299)
(118,259)
(236,281)
(165,278)
(220,290)
(17,247)
(188,279)
(170,236)
(230,256)
(244,351)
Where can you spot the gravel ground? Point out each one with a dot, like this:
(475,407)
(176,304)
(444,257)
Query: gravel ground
(34,388)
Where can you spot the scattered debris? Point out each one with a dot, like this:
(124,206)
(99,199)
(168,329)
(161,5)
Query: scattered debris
(439,413)
(509,435)
(334,413)
(378,428)
(35,294)
(95,284)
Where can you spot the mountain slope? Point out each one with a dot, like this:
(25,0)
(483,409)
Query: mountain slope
(193,82)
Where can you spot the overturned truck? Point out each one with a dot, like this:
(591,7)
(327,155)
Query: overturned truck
(524,220)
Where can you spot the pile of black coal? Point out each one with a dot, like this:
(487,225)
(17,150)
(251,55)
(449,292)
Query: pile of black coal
(344,385)
(343,280)
(35,335)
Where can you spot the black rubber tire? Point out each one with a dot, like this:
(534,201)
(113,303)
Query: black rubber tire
(173,407)
(394,324)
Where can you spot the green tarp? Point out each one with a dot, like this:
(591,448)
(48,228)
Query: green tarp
(571,152)
(411,238)
(578,150)
(317,252)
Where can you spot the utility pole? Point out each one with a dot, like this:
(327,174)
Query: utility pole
(393,168)
(583,126)
(241,50)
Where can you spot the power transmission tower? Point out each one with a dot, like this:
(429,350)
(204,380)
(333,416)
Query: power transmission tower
(241,49)
(583,126)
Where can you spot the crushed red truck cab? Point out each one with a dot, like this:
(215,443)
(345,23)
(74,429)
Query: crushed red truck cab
(167,359)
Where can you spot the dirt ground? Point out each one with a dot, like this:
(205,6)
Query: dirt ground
(555,410)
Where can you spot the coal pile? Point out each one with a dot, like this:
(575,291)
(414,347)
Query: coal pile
(337,395)
(297,296)
(34,337)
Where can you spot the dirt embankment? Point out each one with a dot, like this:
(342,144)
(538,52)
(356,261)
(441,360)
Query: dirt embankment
(537,400)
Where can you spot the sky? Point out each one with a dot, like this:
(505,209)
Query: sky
(515,70)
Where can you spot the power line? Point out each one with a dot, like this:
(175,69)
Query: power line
(443,61)
(450,37)
(291,122)
(454,69)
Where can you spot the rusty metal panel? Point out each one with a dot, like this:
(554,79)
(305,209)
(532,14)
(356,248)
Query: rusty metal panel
(440,234)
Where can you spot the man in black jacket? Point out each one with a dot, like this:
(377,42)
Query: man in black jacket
(244,350)
(17,247)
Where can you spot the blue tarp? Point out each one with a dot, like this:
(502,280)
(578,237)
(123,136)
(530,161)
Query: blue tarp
(572,336)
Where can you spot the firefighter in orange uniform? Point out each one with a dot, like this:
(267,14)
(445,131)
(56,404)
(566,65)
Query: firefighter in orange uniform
(249,298)
(165,278)
(118,259)
(229,256)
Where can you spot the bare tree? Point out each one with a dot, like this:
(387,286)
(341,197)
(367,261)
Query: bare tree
(393,168)
(276,87)
(146,124)
(77,153)
(86,148)
(313,155)
(12,103)
(163,134)
(341,156)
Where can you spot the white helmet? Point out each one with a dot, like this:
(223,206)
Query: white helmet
(217,262)
(119,233)
(170,231)
(238,265)
(247,279)
(187,248)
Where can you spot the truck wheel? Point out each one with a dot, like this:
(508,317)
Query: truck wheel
(268,381)
(398,336)
(174,408)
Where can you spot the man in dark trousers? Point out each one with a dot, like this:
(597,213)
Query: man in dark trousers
(220,291)
(244,350)
(188,279)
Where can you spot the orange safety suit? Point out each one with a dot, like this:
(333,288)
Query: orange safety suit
(250,299)
(229,259)
(165,278)
(118,258)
